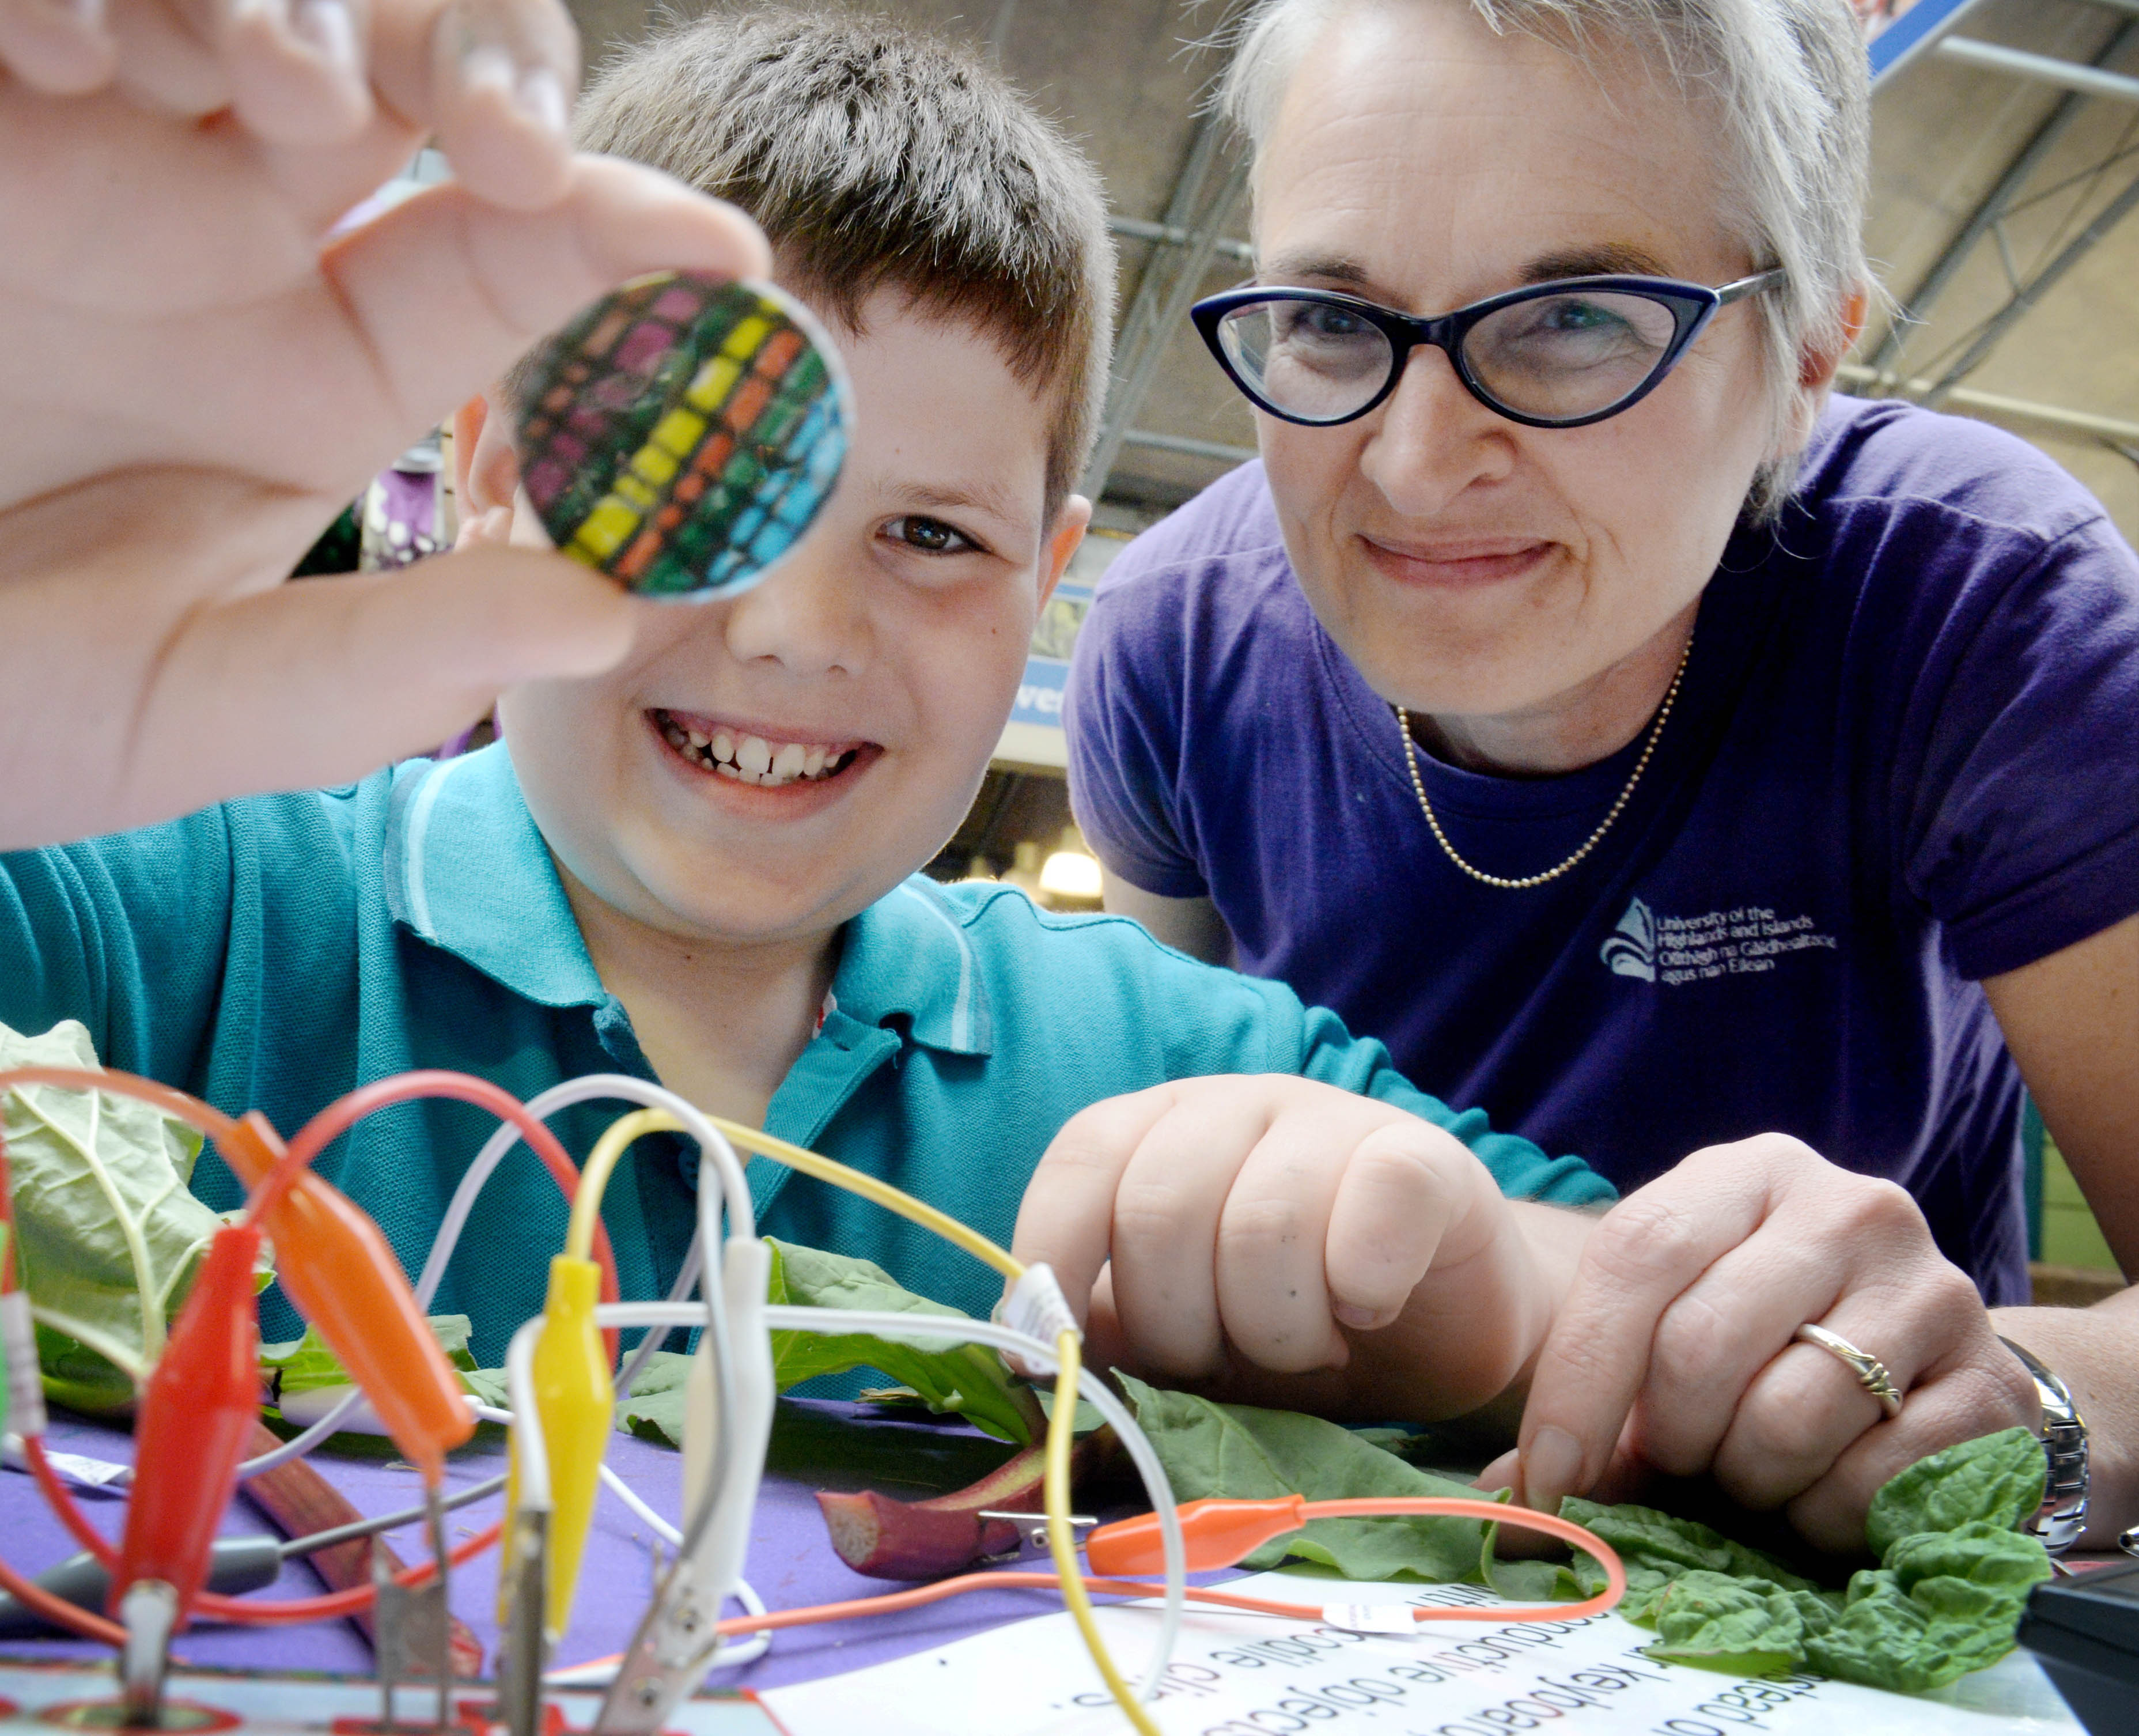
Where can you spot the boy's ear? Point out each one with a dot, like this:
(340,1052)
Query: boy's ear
(485,473)
(1070,524)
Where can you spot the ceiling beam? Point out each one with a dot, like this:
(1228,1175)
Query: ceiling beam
(1994,407)
(2045,68)
(2033,291)
(1990,211)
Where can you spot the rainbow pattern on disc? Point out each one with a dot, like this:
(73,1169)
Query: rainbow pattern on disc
(681,434)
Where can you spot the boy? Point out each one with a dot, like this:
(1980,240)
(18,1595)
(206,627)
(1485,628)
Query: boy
(598,895)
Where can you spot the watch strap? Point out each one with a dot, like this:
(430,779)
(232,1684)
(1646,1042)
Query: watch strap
(2061,1517)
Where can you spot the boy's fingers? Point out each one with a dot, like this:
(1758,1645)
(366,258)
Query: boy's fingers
(1273,1291)
(1392,1207)
(1066,1218)
(449,289)
(493,81)
(167,60)
(58,47)
(324,680)
(1643,1254)
(298,68)
(1173,1213)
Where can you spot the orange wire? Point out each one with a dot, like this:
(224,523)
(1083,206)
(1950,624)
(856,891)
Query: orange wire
(1615,1574)
(251,1613)
(58,1610)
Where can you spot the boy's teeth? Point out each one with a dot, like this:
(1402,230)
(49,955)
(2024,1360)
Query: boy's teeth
(752,758)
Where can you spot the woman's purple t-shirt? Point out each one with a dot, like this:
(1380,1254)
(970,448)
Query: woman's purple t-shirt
(1905,756)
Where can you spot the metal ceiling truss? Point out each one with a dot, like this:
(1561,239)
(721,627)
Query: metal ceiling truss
(1927,29)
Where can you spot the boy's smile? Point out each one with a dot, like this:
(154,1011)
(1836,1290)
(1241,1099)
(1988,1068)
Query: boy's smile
(762,769)
(758,756)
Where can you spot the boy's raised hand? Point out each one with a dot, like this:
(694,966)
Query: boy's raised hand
(193,381)
(1275,1240)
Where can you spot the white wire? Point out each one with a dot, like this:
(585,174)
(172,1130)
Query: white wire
(734,1189)
(630,1496)
(1041,1357)
(531,1452)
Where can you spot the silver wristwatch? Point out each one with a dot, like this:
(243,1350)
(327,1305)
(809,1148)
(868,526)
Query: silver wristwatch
(2063,1516)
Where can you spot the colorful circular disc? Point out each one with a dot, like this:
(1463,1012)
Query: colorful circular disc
(682,434)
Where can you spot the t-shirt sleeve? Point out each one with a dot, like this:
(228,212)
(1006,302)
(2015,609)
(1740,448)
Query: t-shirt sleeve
(1333,1055)
(2017,776)
(126,933)
(1122,711)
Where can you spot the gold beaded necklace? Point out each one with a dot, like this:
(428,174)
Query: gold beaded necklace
(1603,825)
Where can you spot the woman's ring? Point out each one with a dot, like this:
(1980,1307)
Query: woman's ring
(1870,1372)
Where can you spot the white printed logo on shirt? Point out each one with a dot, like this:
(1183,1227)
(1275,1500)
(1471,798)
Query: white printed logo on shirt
(1750,940)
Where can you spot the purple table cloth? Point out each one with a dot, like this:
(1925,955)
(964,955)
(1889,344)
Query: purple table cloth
(790,1562)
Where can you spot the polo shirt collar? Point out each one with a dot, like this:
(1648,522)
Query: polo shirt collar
(908,957)
(466,868)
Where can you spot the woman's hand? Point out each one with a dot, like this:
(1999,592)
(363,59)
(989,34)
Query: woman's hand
(194,380)
(1279,1241)
(1673,1352)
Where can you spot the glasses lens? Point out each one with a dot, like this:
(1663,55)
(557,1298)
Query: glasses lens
(1570,354)
(1317,361)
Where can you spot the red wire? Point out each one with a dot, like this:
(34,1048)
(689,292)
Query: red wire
(61,1499)
(339,1117)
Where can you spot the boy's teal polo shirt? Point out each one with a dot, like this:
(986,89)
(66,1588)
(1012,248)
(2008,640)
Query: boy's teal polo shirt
(273,953)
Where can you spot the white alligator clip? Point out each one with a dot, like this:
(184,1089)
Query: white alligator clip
(676,1641)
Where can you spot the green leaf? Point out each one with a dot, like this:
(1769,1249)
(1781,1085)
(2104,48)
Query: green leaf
(1997,1479)
(77,1377)
(654,1410)
(306,1364)
(1747,1626)
(488,1384)
(1657,1548)
(109,1238)
(1946,1603)
(969,1379)
(1243,1453)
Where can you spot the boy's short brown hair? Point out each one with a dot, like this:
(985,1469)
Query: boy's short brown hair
(873,156)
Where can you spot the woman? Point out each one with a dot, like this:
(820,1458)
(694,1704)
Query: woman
(1652,751)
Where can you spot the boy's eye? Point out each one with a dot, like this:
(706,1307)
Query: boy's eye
(930,535)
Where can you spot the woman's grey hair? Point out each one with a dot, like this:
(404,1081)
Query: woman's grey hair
(1788,81)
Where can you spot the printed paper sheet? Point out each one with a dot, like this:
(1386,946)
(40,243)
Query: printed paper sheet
(1251,1675)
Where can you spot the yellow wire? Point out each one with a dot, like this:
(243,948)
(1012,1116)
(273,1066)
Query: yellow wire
(796,1157)
(601,1164)
(1061,1541)
(1062,1426)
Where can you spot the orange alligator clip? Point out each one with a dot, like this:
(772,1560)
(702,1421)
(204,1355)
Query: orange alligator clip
(1218,1534)
(345,1278)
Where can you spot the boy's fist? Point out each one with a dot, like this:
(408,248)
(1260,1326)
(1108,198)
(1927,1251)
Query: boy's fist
(1271,1238)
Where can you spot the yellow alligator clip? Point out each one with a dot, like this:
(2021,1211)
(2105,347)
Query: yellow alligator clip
(576,1399)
